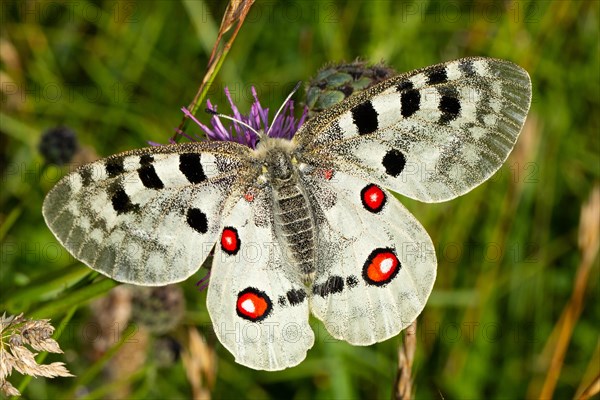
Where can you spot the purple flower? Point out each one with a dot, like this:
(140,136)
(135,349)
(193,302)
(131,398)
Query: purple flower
(284,125)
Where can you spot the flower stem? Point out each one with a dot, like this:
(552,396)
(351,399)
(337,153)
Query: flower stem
(235,13)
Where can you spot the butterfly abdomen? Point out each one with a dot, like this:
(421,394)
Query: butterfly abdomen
(294,218)
(292,210)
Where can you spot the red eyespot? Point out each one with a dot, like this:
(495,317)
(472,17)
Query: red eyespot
(249,197)
(253,305)
(230,241)
(373,198)
(381,267)
(328,174)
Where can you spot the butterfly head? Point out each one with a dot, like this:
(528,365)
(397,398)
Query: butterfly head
(276,155)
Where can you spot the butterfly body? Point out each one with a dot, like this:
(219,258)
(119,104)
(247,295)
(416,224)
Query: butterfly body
(306,225)
(292,208)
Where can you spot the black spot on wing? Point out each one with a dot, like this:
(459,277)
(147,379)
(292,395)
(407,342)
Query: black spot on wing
(450,108)
(190,166)
(437,75)
(351,281)
(120,200)
(365,118)
(281,301)
(114,166)
(149,177)
(404,85)
(197,220)
(410,102)
(394,162)
(296,296)
(333,284)
(449,105)
(146,159)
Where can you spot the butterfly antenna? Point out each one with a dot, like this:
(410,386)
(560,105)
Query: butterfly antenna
(216,114)
(283,105)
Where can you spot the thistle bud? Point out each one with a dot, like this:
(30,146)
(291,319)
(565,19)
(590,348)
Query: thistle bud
(335,83)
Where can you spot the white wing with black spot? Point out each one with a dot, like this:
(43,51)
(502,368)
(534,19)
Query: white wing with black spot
(148,216)
(376,264)
(430,134)
(256,299)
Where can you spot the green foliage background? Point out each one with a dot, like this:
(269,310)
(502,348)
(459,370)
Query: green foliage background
(119,72)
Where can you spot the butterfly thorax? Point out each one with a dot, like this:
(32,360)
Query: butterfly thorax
(293,217)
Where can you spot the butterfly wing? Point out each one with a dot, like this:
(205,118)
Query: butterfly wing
(376,264)
(430,134)
(148,216)
(256,299)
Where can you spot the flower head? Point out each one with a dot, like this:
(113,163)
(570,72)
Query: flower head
(284,125)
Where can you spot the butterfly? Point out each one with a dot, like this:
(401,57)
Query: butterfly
(302,225)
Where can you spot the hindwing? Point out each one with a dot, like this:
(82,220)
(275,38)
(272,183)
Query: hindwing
(257,301)
(376,264)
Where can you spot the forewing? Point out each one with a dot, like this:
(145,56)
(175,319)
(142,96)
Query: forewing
(148,216)
(376,264)
(431,134)
(256,299)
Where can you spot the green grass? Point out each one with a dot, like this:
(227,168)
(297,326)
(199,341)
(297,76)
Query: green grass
(507,251)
